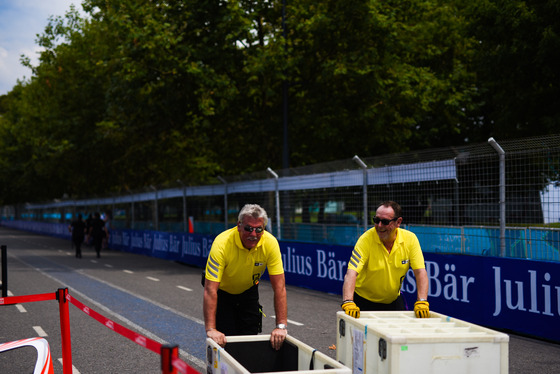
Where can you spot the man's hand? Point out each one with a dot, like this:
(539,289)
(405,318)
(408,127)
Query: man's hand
(351,309)
(216,336)
(422,309)
(277,337)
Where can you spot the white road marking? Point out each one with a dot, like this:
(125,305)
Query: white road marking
(18,306)
(184,288)
(291,322)
(39,330)
(108,265)
(295,323)
(74,370)
(95,262)
(128,271)
(153,279)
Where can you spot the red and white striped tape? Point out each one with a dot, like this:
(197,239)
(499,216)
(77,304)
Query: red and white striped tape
(145,342)
(43,348)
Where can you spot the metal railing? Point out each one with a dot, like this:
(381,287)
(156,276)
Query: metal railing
(511,185)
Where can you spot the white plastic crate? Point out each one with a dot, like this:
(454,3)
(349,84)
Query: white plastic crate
(400,343)
(254,354)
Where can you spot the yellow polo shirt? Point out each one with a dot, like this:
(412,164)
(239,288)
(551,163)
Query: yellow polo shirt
(380,273)
(237,268)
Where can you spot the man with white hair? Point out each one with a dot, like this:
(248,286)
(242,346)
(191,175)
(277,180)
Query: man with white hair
(237,260)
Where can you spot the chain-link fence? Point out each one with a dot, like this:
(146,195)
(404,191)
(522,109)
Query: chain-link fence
(485,199)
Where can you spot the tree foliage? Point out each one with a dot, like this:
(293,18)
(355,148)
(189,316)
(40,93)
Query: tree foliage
(518,75)
(142,93)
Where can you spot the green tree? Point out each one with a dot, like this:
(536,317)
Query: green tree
(159,94)
(517,71)
(374,77)
(147,92)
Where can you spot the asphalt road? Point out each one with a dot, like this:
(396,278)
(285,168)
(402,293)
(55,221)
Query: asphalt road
(159,299)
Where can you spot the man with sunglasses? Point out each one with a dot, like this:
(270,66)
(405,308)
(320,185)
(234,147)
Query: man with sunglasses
(378,264)
(237,260)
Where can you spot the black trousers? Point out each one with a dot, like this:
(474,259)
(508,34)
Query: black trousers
(97,242)
(239,314)
(78,244)
(366,305)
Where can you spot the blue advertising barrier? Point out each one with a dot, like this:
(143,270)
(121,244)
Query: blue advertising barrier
(522,296)
(190,249)
(518,295)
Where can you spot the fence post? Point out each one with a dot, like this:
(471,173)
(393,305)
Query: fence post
(502,154)
(156,208)
(4,271)
(225,201)
(65,330)
(168,353)
(364,168)
(185,218)
(132,213)
(275,176)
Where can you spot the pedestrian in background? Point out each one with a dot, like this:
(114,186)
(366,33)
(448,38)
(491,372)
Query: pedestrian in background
(78,230)
(108,226)
(97,232)
(88,225)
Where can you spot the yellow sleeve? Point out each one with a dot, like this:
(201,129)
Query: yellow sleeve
(358,257)
(416,255)
(215,264)
(274,262)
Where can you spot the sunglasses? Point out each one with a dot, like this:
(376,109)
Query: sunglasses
(258,230)
(384,221)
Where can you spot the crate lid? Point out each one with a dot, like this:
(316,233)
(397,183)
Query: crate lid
(402,327)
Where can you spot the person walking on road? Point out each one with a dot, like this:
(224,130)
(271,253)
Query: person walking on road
(108,219)
(378,264)
(88,225)
(97,232)
(78,230)
(237,260)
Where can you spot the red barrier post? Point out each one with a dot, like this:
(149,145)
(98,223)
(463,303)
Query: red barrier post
(65,331)
(4,255)
(168,353)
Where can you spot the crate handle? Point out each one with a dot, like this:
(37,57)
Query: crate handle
(382,349)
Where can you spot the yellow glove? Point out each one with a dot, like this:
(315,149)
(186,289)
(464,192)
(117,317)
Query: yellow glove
(422,309)
(351,309)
